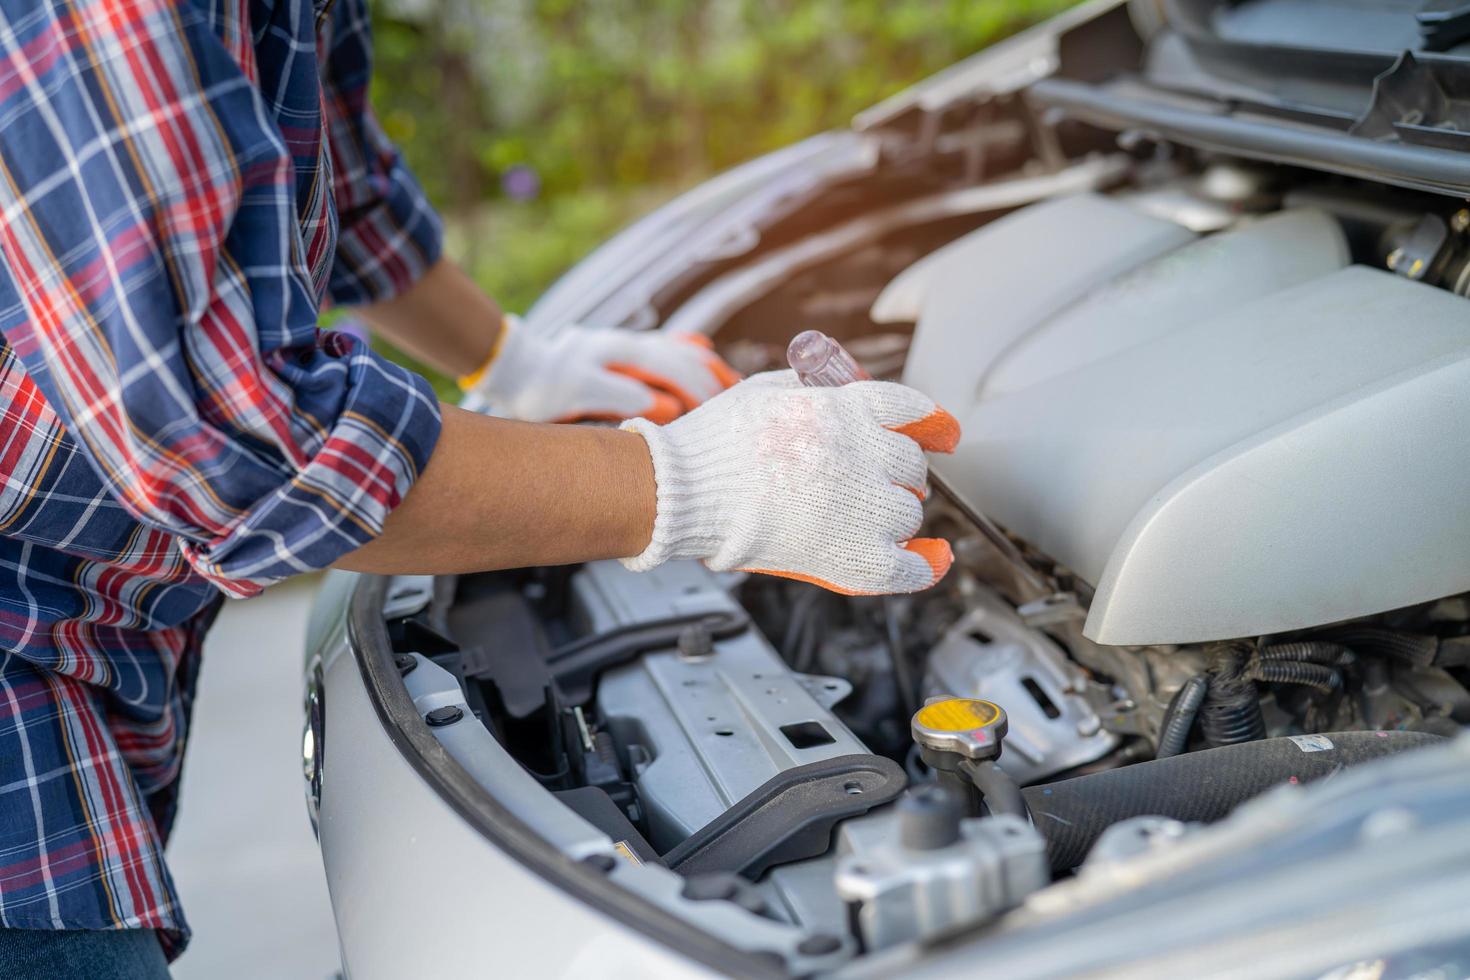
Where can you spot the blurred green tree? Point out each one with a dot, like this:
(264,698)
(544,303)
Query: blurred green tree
(598,109)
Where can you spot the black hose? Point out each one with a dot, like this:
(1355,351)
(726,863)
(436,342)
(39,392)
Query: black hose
(1180,715)
(1231,712)
(1317,676)
(908,691)
(809,640)
(801,611)
(1197,786)
(998,790)
(1415,649)
(1309,651)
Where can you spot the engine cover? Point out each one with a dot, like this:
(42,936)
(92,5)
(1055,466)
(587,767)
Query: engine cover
(1229,436)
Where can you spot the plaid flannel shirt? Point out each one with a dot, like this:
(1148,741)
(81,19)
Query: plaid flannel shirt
(172,177)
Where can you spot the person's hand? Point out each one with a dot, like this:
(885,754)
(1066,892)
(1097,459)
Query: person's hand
(582,374)
(824,485)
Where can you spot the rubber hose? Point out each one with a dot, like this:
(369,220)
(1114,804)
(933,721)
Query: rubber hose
(1309,651)
(1180,715)
(1317,676)
(1000,792)
(1199,786)
(1415,649)
(908,690)
(1232,710)
(1231,713)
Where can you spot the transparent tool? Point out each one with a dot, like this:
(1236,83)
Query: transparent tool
(821,362)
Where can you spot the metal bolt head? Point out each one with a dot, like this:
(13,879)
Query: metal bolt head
(1395,258)
(1460,221)
(1089,726)
(696,643)
(405,662)
(446,715)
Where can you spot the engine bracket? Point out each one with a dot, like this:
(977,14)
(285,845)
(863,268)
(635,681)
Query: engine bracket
(789,817)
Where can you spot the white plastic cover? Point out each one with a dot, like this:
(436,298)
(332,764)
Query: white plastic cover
(1232,437)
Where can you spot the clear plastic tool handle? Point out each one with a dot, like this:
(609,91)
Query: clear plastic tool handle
(821,362)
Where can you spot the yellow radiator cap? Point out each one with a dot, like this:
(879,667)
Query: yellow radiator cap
(966,726)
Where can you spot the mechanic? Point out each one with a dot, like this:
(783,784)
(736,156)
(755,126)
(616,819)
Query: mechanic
(185,184)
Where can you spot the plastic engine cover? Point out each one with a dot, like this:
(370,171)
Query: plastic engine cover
(1227,437)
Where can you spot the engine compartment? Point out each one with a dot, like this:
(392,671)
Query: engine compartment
(718,725)
(1208,521)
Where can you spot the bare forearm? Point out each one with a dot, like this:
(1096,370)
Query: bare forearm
(502,494)
(444,320)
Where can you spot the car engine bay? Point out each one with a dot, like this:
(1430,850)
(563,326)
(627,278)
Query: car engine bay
(1208,524)
(692,716)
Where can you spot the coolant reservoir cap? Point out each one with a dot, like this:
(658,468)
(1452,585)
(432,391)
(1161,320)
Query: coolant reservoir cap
(965,726)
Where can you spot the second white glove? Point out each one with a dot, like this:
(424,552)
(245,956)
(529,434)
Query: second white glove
(818,484)
(580,374)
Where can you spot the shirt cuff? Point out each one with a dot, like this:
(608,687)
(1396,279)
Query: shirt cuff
(369,457)
(386,247)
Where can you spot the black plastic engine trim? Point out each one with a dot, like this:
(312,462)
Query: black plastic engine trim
(789,817)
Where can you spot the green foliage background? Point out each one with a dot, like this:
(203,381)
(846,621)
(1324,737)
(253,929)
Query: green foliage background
(617,104)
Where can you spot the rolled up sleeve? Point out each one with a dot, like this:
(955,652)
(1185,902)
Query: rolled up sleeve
(158,297)
(389,234)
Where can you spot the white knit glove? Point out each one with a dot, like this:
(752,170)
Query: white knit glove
(823,485)
(581,374)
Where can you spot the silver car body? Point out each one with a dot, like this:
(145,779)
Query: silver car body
(446,858)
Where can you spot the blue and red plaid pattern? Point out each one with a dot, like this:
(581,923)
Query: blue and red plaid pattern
(183,183)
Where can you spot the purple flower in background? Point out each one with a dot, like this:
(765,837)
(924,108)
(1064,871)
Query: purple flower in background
(352,326)
(520,183)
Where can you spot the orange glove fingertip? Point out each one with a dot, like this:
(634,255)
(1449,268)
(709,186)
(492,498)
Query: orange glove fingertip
(665,409)
(937,432)
(727,376)
(661,386)
(935,551)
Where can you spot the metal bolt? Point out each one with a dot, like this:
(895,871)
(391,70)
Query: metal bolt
(819,944)
(1460,221)
(447,715)
(1089,727)
(1394,258)
(696,643)
(405,662)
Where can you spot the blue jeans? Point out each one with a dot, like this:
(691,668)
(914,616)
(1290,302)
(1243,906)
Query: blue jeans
(81,954)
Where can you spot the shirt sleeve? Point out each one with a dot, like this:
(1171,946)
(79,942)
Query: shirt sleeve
(155,290)
(389,234)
